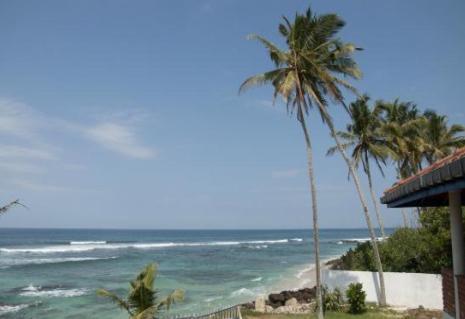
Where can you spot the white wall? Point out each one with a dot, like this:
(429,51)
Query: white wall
(402,289)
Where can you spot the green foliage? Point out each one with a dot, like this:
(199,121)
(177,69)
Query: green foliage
(7,207)
(356,298)
(141,302)
(313,67)
(426,249)
(332,300)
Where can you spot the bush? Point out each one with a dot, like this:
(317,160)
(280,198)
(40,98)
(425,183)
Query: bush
(356,298)
(425,250)
(332,301)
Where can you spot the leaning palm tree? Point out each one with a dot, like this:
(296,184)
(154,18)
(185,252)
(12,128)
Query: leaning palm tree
(7,207)
(142,302)
(308,73)
(363,136)
(441,140)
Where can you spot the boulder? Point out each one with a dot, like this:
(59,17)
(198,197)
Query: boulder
(291,302)
(277,300)
(268,309)
(260,304)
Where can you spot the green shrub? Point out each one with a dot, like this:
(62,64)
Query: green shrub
(332,300)
(425,249)
(356,298)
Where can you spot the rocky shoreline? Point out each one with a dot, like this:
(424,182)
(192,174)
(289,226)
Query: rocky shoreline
(287,301)
(300,300)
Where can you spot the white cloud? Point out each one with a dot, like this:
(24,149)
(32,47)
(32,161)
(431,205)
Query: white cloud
(20,167)
(11,151)
(289,173)
(16,119)
(40,187)
(119,138)
(28,142)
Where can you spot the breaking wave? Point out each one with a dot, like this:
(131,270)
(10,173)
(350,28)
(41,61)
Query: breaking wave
(102,242)
(242,292)
(32,291)
(357,240)
(40,261)
(89,246)
(4,309)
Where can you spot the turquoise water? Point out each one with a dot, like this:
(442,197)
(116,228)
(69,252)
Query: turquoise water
(51,273)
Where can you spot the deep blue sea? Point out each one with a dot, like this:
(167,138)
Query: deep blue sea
(53,273)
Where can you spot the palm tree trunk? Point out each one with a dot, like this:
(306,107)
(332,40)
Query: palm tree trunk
(404,216)
(374,243)
(376,204)
(316,236)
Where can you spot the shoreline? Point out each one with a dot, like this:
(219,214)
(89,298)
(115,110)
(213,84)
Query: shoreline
(304,278)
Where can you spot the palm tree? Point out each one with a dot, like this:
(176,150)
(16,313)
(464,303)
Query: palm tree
(7,207)
(401,124)
(362,135)
(142,302)
(441,140)
(308,73)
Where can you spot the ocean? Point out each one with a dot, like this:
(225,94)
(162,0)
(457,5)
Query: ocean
(54,273)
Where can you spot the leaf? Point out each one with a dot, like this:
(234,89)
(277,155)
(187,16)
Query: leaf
(114,298)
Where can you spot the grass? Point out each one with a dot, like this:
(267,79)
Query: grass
(370,314)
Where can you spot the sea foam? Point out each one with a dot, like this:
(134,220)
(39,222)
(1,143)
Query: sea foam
(4,309)
(40,261)
(89,246)
(33,291)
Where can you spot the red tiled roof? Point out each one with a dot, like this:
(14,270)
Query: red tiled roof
(458,154)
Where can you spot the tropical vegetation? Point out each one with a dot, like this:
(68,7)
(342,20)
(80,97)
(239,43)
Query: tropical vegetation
(426,249)
(142,301)
(311,71)
(364,137)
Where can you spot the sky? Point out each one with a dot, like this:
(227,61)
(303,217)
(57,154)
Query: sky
(126,114)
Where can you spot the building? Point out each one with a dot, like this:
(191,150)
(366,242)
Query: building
(441,184)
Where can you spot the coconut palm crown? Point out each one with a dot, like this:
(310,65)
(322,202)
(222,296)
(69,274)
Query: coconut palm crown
(142,300)
(312,67)
(440,138)
(364,137)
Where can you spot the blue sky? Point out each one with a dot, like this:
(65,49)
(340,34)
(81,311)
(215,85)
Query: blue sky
(125,114)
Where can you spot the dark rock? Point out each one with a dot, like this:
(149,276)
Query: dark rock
(276,300)
(305,295)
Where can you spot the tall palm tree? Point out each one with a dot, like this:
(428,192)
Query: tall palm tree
(142,302)
(441,140)
(308,73)
(363,136)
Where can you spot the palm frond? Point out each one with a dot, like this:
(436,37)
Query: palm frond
(115,299)
(7,207)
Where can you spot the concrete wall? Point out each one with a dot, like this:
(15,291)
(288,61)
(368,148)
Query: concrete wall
(402,289)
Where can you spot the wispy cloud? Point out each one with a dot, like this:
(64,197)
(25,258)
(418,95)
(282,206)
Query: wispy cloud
(17,119)
(12,151)
(20,167)
(119,138)
(288,173)
(29,144)
(40,187)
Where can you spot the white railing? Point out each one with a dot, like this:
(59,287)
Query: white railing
(232,312)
